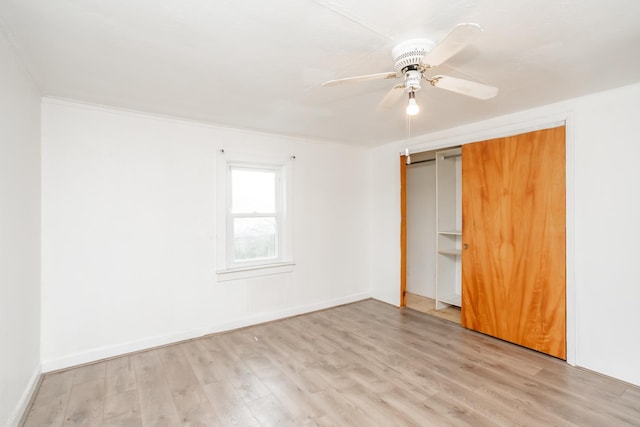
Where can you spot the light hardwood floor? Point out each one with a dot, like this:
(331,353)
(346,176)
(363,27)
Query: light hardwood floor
(428,306)
(362,364)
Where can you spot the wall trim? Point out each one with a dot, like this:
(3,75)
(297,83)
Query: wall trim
(18,416)
(106,352)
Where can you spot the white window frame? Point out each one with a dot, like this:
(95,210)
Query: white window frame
(277,215)
(227,268)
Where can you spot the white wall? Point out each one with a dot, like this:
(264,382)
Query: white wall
(603,231)
(385,223)
(128,239)
(607,230)
(19,235)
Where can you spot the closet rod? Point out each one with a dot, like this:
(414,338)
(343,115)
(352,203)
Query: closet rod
(433,160)
(421,161)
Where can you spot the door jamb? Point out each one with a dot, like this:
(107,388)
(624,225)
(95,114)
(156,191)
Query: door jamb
(403,231)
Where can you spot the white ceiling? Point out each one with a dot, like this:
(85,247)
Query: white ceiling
(259,64)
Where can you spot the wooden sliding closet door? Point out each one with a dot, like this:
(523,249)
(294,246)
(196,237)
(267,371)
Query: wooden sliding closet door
(513,230)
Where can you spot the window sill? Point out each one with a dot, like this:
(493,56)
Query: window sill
(254,271)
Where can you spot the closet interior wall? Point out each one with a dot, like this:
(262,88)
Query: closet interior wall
(421,224)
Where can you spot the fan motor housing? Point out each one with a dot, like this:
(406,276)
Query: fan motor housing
(410,52)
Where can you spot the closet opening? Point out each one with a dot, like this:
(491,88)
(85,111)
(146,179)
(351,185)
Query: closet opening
(488,235)
(431,218)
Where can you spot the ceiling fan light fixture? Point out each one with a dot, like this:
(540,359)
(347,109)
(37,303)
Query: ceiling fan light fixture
(412,106)
(412,61)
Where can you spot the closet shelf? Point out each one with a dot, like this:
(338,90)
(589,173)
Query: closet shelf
(456,252)
(453,299)
(451,232)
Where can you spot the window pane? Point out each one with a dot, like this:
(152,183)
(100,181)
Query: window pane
(253,191)
(254,238)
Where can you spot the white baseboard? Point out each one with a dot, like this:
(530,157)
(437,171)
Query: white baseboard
(106,352)
(23,404)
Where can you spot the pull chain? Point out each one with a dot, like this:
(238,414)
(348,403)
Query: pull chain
(408,136)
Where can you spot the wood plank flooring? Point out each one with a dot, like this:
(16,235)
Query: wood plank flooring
(362,364)
(428,305)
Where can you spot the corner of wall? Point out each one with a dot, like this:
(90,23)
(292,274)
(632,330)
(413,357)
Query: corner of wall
(19,415)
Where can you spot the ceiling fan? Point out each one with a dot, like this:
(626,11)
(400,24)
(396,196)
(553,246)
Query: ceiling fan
(412,59)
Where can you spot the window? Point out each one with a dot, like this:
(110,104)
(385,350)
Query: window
(254,215)
(254,218)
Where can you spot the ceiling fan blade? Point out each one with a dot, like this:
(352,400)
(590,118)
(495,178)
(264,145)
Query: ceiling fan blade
(390,75)
(452,43)
(464,87)
(392,97)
